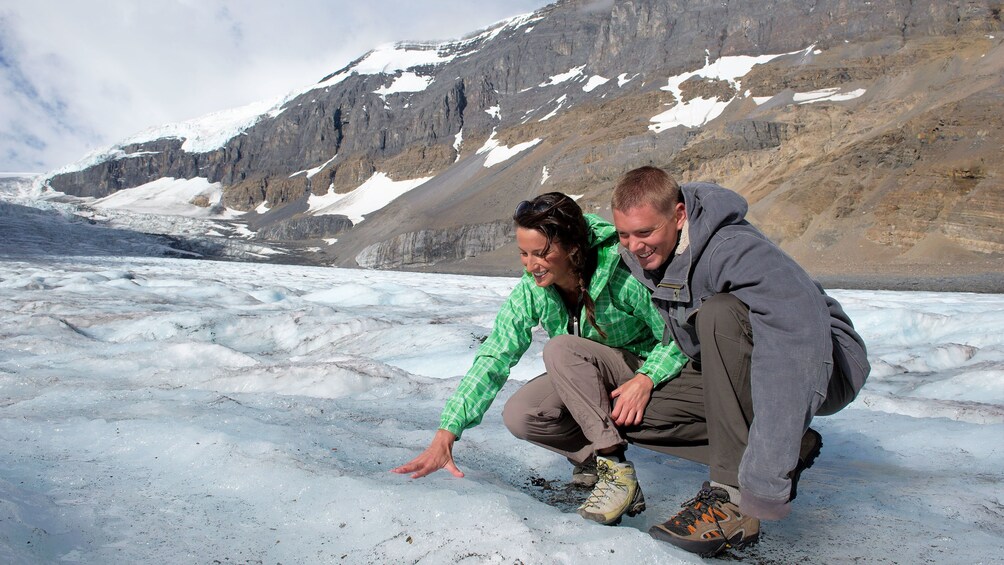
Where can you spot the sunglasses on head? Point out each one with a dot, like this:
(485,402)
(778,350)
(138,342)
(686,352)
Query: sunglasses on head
(529,207)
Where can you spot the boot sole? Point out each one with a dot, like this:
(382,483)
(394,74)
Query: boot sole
(704,548)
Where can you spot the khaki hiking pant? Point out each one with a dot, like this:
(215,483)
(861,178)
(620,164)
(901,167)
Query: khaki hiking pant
(567,409)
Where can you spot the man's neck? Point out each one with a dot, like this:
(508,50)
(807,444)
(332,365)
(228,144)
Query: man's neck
(659,272)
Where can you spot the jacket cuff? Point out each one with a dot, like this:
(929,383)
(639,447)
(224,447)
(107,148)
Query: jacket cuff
(452,427)
(763,508)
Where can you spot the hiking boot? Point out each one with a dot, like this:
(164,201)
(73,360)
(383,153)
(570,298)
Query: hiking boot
(616,493)
(812,443)
(709,524)
(584,474)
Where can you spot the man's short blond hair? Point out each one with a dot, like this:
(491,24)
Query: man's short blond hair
(646,185)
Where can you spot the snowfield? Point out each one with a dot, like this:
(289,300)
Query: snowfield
(183,411)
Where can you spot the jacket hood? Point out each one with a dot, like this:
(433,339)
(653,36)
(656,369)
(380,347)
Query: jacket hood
(709,208)
(601,232)
(602,238)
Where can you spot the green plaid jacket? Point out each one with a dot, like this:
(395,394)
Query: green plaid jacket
(623,309)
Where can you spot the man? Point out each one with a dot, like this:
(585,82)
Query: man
(770,347)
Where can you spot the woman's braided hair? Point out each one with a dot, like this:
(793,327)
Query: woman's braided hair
(560,219)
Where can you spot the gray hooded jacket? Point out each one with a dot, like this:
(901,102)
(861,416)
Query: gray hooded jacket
(799,333)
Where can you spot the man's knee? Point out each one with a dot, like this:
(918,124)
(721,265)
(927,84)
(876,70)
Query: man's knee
(723,314)
(723,305)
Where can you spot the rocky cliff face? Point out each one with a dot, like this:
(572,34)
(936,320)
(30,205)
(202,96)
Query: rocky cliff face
(868,135)
(429,247)
(305,227)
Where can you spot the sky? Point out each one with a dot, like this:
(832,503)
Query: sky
(79,76)
(161,410)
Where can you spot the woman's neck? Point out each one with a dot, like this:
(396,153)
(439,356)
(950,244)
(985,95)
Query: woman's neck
(569,294)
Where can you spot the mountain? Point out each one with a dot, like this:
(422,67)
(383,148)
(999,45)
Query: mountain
(866,135)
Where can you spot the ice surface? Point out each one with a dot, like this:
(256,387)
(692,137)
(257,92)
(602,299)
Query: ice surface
(168,410)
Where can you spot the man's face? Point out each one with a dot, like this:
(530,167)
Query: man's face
(649,234)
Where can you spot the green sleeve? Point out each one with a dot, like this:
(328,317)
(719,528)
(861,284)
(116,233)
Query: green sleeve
(509,339)
(664,363)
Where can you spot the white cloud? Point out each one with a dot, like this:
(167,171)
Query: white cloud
(79,76)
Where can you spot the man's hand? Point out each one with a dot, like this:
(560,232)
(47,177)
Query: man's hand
(437,456)
(632,398)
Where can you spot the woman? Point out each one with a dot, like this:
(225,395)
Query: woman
(600,372)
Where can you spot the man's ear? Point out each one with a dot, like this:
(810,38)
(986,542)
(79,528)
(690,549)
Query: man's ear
(681,214)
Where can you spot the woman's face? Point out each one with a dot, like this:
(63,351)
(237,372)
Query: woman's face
(552,267)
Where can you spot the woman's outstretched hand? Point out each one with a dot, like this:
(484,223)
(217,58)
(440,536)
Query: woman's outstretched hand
(437,456)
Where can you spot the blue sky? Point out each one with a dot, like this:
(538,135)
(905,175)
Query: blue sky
(80,75)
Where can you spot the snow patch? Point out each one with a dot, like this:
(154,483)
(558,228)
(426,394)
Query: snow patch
(398,57)
(563,77)
(561,102)
(407,82)
(493,31)
(378,191)
(500,153)
(700,111)
(623,79)
(169,196)
(594,82)
(200,135)
(826,95)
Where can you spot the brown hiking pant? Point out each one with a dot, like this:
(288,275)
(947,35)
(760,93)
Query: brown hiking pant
(567,409)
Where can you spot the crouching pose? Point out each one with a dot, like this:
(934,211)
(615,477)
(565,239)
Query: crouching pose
(605,360)
(769,348)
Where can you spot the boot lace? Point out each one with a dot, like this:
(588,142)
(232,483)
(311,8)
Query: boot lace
(605,486)
(698,508)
